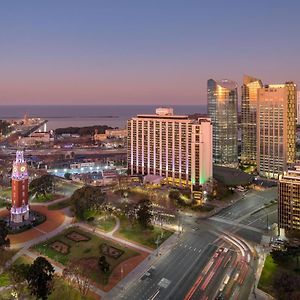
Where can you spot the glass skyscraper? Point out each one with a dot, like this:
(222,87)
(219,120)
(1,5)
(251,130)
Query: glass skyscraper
(276,128)
(249,107)
(222,98)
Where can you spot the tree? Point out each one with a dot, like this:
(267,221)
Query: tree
(40,278)
(42,185)
(174,195)
(286,284)
(75,275)
(144,213)
(4,240)
(87,201)
(67,176)
(17,278)
(103,264)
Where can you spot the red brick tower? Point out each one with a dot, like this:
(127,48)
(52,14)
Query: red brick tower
(19,208)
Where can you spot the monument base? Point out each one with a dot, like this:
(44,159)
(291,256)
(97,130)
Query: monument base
(20,214)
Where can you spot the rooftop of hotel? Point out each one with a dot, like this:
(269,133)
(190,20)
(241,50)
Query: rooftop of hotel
(292,174)
(168,113)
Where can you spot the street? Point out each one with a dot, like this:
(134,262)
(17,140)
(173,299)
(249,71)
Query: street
(210,258)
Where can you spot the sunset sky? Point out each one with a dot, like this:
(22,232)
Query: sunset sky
(144,52)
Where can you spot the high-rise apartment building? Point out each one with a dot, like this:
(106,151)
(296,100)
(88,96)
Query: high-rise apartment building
(249,104)
(289,200)
(276,128)
(174,147)
(222,103)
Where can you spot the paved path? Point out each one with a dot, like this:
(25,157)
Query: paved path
(226,221)
(110,236)
(26,245)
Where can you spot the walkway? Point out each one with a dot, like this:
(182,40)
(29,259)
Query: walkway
(226,221)
(109,235)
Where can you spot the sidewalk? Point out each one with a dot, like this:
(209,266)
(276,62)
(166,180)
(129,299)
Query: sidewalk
(138,272)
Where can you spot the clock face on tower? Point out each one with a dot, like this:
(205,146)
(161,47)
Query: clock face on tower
(19,170)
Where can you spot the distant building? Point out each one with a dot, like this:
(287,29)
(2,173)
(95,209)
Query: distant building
(19,199)
(222,100)
(298,107)
(100,137)
(174,147)
(249,106)
(276,129)
(116,133)
(289,200)
(36,137)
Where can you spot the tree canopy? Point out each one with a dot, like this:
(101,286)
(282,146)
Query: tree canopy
(87,201)
(4,240)
(42,185)
(144,213)
(40,278)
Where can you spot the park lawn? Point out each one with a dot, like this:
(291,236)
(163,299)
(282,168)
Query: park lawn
(62,290)
(5,193)
(105,223)
(60,205)
(85,252)
(46,198)
(145,237)
(24,259)
(266,277)
(4,279)
(3,203)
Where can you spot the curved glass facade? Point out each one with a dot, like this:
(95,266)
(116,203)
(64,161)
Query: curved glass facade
(249,103)
(222,98)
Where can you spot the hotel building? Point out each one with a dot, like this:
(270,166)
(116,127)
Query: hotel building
(173,147)
(289,200)
(249,104)
(276,128)
(222,101)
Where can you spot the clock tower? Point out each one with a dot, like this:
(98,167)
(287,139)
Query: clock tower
(19,200)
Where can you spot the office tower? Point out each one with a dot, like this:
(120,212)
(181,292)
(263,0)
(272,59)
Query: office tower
(249,104)
(222,101)
(173,147)
(276,128)
(298,107)
(289,200)
(19,207)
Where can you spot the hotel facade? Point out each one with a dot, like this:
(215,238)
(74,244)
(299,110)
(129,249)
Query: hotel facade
(249,107)
(222,100)
(176,148)
(276,128)
(289,200)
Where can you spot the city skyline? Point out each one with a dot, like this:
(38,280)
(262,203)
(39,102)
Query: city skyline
(140,53)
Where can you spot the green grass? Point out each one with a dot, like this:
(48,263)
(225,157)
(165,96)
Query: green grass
(78,251)
(105,223)
(6,193)
(145,237)
(46,198)
(60,205)
(266,278)
(62,290)
(4,279)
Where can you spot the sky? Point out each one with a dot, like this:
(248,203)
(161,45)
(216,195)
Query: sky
(141,51)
